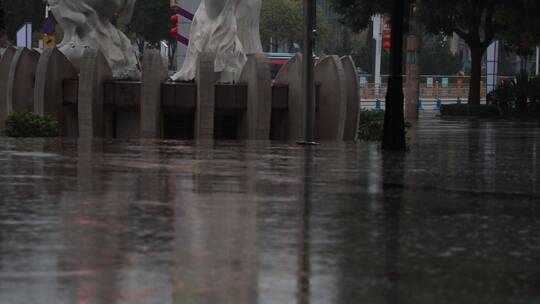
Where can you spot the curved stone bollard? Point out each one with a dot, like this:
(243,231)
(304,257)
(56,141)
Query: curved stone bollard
(94,72)
(20,83)
(153,75)
(52,69)
(353,99)
(5,64)
(255,122)
(332,113)
(291,74)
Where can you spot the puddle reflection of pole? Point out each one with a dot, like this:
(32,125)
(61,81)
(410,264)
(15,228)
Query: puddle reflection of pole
(304,257)
(393,186)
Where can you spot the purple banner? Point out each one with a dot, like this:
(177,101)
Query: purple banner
(183,40)
(185,14)
(180,11)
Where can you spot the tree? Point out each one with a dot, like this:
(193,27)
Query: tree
(520,32)
(3,34)
(475,21)
(282,24)
(150,26)
(360,48)
(357,13)
(18,12)
(2,22)
(436,58)
(150,23)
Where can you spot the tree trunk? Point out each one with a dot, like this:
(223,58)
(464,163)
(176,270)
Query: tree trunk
(412,90)
(394,123)
(476,73)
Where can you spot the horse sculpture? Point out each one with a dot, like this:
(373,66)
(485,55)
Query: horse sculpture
(86,23)
(227,28)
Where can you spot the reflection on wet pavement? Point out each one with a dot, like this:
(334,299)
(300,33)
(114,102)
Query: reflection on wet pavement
(456,220)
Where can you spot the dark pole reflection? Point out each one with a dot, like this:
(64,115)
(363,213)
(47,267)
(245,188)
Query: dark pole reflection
(304,260)
(393,184)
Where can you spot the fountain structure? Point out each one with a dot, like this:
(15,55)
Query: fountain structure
(93,84)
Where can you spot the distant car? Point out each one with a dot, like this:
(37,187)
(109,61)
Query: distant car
(277,60)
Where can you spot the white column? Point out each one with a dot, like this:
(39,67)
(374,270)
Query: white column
(492,66)
(24,36)
(377,35)
(538,60)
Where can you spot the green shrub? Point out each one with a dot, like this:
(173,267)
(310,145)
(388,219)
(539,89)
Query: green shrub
(534,92)
(371,125)
(522,90)
(504,97)
(519,96)
(26,124)
(469,110)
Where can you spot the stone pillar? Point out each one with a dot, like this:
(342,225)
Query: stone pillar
(291,74)
(412,87)
(332,114)
(153,75)
(255,123)
(20,83)
(95,71)
(5,64)
(52,69)
(206,92)
(353,99)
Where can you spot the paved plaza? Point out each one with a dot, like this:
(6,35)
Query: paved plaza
(455,220)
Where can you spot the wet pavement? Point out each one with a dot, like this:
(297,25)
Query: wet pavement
(456,220)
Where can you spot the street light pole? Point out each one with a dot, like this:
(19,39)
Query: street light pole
(309,80)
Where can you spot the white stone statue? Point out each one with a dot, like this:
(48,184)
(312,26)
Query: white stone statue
(86,23)
(227,28)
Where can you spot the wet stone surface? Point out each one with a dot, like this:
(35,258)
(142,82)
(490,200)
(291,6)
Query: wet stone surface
(456,220)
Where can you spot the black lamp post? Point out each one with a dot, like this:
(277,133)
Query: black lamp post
(394,123)
(309,81)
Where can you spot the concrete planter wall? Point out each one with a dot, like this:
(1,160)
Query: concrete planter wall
(91,104)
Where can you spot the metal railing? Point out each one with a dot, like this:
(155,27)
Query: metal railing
(431,87)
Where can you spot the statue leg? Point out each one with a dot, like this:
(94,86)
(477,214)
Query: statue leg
(215,30)
(197,33)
